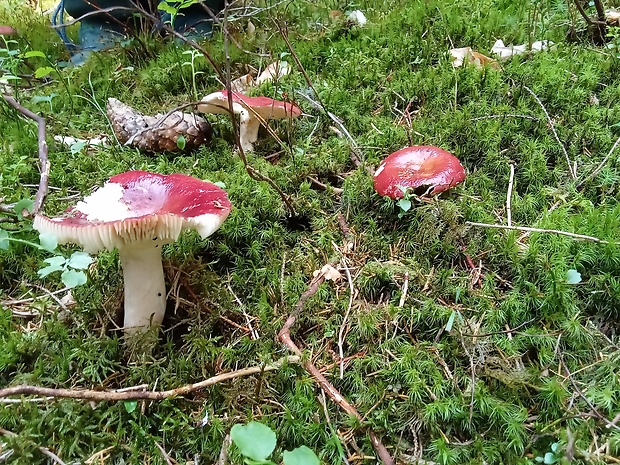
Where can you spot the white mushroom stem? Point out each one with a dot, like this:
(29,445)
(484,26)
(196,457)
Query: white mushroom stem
(145,288)
(249,125)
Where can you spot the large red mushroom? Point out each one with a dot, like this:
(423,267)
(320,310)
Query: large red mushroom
(415,167)
(137,212)
(252,112)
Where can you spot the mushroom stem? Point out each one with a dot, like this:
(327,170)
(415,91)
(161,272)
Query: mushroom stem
(145,288)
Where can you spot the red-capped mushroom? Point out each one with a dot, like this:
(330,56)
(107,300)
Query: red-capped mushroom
(418,166)
(7,31)
(252,112)
(136,212)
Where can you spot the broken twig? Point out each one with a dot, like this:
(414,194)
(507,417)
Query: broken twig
(579,237)
(114,396)
(285,337)
(45,164)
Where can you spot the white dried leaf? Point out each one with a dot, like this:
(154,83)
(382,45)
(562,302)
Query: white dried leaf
(506,51)
(273,72)
(357,17)
(468,55)
(328,272)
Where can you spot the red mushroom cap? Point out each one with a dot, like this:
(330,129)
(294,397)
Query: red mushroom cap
(7,31)
(274,107)
(138,205)
(418,166)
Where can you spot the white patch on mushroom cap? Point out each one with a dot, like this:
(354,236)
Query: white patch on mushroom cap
(105,204)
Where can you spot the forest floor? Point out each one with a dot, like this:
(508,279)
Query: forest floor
(456,343)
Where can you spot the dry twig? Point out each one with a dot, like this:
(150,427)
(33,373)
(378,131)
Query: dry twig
(509,195)
(285,337)
(114,396)
(555,134)
(579,237)
(45,164)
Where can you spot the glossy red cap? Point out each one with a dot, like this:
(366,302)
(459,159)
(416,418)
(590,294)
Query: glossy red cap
(418,166)
(139,205)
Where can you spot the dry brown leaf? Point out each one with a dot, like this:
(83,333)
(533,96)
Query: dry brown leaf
(242,84)
(468,55)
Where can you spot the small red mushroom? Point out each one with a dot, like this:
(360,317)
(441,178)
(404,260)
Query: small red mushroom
(7,31)
(137,212)
(418,166)
(252,112)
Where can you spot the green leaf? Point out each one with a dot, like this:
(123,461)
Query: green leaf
(72,278)
(34,53)
(167,8)
(181,142)
(4,240)
(43,272)
(404,204)
(555,446)
(77,147)
(42,72)
(220,184)
(550,458)
(300,456)
(80,260)
(573,277)
(130,405)
(254,440)
(21,205)
(450,322)
(48,242)
(56,260)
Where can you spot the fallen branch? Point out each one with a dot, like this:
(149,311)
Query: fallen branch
(600,166)
(579,237)
(114,396)
(285,337)
(45,164)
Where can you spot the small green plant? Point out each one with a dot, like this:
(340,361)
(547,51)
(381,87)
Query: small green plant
(72,268)
(550,457)
(174,9)
(194,54)
(256,442)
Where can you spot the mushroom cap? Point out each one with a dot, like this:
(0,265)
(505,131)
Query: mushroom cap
(217,102)
(137,206)
(418,166)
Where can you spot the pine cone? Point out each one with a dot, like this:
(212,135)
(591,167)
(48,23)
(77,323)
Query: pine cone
(154,133)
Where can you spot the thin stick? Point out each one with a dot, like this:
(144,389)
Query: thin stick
(509,195)
(44,450)
(346,315)
(579,237)
(600,167)
(164,454)
(285,337)
(45,164)
(555,134)
(224,451)
(403,296)
(508,115)
(114,396)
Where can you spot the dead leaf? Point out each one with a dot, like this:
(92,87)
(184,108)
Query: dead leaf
(273,72)
(613,17)
(242,84)
(329,272)
(468,55)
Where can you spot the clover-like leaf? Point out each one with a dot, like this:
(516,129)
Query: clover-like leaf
(404,204)
(181,142)
(80,260)
(300,456)
(254,440)
(573,277)
(43,272)
(4,240)
(21,205)
(48,242)
(73,278)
